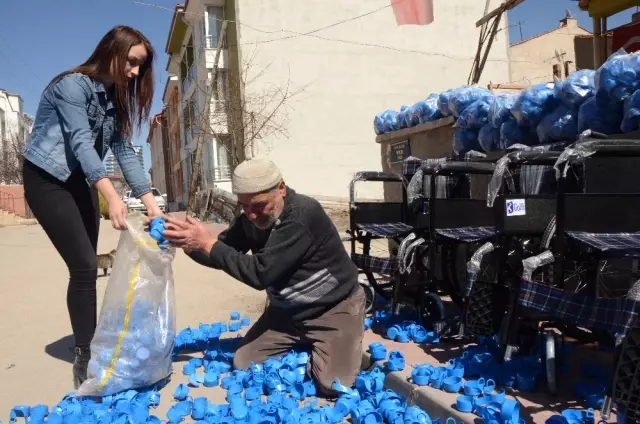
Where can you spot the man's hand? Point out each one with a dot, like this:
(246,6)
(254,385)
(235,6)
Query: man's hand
(190,234)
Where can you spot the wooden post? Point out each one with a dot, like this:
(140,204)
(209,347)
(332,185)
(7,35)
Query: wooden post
(597,40)
(206,123)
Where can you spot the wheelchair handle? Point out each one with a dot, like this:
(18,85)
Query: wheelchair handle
(377,176)
(451,168)
(532,158)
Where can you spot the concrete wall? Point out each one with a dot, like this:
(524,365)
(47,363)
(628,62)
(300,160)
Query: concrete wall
(532,60)
(350,72)
(12,200)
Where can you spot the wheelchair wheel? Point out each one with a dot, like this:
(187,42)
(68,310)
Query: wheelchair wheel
(550,360)
(430,309)
(369,295)
(383,288)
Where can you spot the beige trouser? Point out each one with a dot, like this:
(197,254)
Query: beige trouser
(335,339)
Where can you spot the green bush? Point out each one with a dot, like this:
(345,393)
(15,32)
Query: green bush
(104,206)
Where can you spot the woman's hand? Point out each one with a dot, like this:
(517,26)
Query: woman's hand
(153,210)
(117,208)
(118,214)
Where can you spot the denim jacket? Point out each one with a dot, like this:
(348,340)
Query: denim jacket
(74,126)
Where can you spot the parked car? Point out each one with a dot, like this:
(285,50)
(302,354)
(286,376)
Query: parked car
(134,204)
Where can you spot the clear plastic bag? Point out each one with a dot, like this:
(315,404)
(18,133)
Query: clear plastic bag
(500,110)
(462,97)
(605,120)
(577,88)
(476,115)
(443,102)
(428,109)
(512,133)
(617,78)
(383,121)
(631,119)
(465,140)
(423,111)
(559,125)
(533,103)
(489,138)
(134,338)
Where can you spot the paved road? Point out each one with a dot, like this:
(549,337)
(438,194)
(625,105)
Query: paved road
(34,326)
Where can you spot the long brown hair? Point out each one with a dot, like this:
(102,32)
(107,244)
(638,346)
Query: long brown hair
(132,98)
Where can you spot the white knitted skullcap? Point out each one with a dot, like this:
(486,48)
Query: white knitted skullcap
(254,176)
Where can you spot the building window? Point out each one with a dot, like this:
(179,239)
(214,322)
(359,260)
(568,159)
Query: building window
(569,68)
(215,16)
(221,94)
(556,71)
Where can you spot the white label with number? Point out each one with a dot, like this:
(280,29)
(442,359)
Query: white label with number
(516,207)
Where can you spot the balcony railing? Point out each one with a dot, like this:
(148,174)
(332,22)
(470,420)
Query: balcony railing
(218,174)
(211,42)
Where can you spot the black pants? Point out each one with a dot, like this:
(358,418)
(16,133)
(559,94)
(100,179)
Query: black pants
(69,213)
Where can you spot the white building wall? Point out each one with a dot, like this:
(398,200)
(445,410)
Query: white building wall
(350,72)
(11,108)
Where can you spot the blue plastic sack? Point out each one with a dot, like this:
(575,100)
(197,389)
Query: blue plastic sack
(428,109)
(383,121)
(617,78)
(401,119)
(423,111)
(465,140)
(411,116)
(475,116)
(605,120)
(489,138)
(631,118)
(577,88)
(500,110)
(512,133)
(462,97)
(533,103)
(559,125)
(443,102)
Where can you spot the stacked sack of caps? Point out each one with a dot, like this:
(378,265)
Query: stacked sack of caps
(139,351)
(606,100)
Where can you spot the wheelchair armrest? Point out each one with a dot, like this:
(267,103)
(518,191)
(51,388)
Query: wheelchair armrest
(450,168)
(377,176)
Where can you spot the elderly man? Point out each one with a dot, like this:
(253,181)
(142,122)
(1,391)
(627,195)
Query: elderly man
(298,258)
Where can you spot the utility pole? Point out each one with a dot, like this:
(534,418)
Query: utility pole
(206,123)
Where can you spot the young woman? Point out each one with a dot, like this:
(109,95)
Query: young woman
(82,112)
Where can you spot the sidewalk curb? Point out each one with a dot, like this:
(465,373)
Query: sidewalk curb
(436,403)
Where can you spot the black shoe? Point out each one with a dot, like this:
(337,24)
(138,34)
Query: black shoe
(80,364)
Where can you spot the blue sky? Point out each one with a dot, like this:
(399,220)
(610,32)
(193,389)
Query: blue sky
(40,38)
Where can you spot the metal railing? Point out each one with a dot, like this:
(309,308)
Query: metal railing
(16,205)
(211,42)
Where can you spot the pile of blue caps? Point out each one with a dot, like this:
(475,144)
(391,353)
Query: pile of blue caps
(482,380)
(278,391)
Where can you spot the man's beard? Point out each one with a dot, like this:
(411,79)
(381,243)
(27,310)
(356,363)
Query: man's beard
(265,222)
